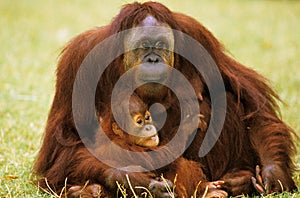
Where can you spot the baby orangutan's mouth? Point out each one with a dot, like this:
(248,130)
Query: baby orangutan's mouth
(154,137)
(151,141)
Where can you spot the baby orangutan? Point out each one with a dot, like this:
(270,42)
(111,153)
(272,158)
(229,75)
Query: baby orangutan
(141,130)
(134,130)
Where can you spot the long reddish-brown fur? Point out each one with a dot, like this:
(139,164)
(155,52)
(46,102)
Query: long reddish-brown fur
(253,133)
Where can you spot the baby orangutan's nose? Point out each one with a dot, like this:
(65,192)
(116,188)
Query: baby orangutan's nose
(148,128)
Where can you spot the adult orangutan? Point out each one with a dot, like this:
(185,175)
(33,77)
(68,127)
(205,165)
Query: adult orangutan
(252,154)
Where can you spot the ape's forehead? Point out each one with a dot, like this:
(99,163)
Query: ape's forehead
(150,27)
(150,21)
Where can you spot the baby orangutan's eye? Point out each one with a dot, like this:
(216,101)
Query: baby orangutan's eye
(139,121)
(147,117)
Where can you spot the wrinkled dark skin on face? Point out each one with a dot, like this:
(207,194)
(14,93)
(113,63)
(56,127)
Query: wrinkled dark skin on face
(153,45)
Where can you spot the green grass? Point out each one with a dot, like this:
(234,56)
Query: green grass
(261,34)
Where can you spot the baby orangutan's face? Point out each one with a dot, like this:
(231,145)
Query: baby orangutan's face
(141,129)
(144,132)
